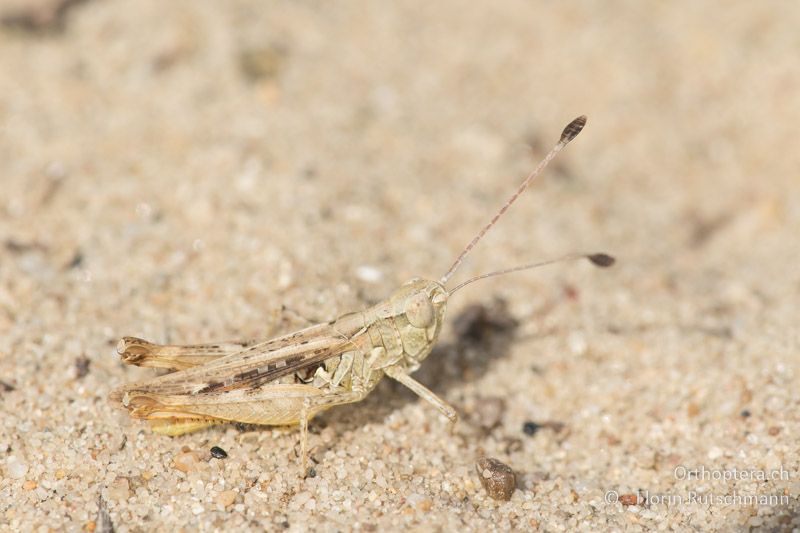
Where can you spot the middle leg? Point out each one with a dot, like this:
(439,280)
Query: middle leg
(312,405)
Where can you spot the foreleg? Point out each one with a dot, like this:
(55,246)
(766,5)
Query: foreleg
(423,392)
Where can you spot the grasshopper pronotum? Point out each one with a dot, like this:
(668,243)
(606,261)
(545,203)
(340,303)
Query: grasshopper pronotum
(289,379)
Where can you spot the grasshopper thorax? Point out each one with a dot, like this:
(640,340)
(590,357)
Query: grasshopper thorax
(417,309)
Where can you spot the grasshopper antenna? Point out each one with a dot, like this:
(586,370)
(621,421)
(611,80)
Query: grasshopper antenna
(570,132)
(599,260)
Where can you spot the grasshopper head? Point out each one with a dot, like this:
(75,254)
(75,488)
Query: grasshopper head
(419,305)
(424,302)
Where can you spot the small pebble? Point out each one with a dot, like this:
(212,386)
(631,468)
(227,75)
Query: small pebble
(715,453)
(186,461)
(771,461)
(497,478)
(328,435)
(425,505)
(489,412)
(368,273)
(218,453)
(630,499)
(300,499)
(226,498)
(745,413)
(82,365)
(530,428)
(120,489)
(15,468)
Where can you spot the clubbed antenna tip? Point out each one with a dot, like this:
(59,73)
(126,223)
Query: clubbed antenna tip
(601,260)
(573,129)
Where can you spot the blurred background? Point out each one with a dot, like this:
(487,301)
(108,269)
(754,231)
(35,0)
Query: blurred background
(181,170)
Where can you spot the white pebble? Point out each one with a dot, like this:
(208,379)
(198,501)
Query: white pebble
(714,453)
(369,274)
(15,468)
(772,462)
(301,499)
(577,343)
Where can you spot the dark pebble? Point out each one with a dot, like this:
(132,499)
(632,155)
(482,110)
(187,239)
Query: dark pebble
(498,479)
(82,365)
(745,413)
(530,428)
(218,453)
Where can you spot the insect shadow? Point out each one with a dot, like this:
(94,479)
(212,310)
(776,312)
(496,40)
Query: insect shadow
(483,334)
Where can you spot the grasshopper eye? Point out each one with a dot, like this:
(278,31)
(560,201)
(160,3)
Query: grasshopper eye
(419,311)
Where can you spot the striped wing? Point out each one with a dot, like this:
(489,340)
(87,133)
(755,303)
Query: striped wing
(258,364)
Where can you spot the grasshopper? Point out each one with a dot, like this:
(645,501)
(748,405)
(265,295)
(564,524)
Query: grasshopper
(289,379)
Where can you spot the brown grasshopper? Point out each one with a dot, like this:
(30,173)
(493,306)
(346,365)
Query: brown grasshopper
(289,379)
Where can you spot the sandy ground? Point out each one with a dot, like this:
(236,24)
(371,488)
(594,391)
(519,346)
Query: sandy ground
(181,170)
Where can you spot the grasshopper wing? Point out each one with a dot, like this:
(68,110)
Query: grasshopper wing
(256,365)
(140,352)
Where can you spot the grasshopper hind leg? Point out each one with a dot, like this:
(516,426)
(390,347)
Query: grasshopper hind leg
(180,426)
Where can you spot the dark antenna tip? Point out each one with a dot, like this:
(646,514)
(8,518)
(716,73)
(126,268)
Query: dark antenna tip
(569,133)
(573,129)
(601,260)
